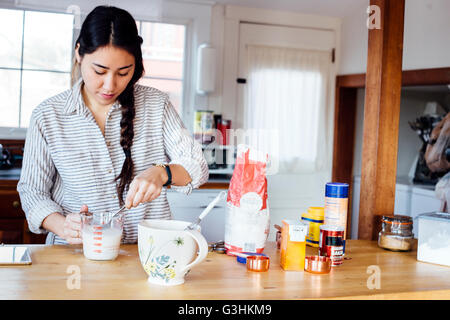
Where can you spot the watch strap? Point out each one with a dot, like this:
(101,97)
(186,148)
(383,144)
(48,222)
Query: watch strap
(169,174)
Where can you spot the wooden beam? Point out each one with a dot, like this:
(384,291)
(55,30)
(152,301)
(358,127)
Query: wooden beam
(351,81)
(381,118)
(424,77)
(416,77)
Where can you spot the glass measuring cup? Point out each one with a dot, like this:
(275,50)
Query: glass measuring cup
(101,236)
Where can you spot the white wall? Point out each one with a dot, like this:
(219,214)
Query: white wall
(426,37)
(354,39)
(217,41)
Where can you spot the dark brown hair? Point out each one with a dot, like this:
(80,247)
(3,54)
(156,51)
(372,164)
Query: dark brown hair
(105,26)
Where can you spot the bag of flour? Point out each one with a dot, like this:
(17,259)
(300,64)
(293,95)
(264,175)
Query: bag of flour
(247,218)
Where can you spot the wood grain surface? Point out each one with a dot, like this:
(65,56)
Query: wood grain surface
(221,277)
(381,118)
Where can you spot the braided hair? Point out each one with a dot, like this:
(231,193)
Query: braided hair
(107,25)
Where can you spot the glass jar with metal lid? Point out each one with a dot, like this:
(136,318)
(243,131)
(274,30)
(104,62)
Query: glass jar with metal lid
(396,233)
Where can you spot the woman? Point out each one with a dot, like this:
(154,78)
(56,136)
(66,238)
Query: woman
(106,142)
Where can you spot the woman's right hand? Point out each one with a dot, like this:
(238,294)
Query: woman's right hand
(72,226)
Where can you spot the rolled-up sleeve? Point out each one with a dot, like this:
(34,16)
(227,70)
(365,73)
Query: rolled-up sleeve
(182,149)
(36,178)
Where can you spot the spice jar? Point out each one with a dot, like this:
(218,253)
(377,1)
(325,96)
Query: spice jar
(396,233)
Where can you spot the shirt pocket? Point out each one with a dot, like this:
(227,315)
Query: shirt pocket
(76,169)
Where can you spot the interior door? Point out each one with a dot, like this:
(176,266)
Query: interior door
(277,36)
(289,194)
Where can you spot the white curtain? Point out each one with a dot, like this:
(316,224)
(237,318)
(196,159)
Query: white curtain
(285,106)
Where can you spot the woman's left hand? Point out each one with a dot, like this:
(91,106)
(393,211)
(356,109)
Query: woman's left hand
(146,186)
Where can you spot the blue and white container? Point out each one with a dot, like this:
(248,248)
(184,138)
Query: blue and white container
(336,206)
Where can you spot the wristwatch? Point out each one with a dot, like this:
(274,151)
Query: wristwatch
(169,173)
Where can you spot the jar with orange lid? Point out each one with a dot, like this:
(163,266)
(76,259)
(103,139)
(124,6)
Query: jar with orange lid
(396,233)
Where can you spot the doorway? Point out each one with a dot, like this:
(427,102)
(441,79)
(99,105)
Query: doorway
(346,100)
(284,79)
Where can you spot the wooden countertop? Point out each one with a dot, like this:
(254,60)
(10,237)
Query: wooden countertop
(221,277)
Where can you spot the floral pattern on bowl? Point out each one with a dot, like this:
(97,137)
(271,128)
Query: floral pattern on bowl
(162,266)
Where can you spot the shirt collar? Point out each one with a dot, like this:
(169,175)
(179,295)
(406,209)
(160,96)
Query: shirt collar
(75,102)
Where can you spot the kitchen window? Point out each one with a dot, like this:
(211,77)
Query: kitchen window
(163,53)
(36,61)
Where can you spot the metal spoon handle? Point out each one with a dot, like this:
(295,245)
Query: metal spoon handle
(118,211)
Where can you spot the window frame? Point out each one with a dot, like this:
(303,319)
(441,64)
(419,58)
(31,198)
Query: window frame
(187,32)
(8,133)
(13,133)
(188,94)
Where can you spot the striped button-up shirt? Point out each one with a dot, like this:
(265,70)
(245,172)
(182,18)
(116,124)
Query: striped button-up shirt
(68,162)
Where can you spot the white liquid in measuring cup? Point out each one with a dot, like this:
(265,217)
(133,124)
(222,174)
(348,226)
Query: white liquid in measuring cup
(100,243)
